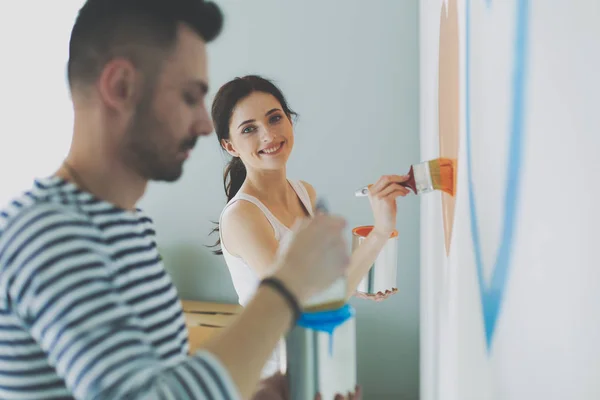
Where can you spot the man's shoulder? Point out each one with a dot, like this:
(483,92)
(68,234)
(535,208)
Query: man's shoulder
(36,214)
(35,230)
(39,202)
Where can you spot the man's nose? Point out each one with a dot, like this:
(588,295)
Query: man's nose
(204,125)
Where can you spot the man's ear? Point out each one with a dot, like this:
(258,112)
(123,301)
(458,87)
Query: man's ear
(120,85)
(228,146)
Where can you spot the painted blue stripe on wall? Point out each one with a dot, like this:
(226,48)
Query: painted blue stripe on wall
(491,297)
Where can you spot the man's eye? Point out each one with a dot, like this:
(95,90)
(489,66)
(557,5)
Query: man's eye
(190,99)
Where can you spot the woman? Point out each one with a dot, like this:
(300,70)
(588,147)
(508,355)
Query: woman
(253,123)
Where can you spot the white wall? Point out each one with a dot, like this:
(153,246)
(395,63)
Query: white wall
(36,119)
(542,344)
(349,68)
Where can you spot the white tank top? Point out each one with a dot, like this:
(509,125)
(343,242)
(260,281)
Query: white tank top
(245,279)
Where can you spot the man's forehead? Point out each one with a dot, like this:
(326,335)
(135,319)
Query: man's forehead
(188,36)
(188,60)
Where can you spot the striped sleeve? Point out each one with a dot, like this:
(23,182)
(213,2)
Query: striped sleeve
(61,285)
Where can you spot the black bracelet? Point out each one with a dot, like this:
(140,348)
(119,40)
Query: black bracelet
(287,295)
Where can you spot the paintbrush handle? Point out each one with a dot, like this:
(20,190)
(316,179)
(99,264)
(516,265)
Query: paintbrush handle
(321,206)
(410,183)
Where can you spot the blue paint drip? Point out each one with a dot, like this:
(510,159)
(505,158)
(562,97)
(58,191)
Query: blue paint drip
(327,321)
(491,298)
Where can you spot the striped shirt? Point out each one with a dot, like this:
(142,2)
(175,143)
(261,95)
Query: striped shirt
(87,310)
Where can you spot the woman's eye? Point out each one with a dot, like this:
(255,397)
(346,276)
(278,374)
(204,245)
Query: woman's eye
(275,118)
(248,129)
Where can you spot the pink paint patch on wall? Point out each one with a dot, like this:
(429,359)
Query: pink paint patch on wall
(448,103)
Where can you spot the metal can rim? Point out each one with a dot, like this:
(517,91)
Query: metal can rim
(364,230)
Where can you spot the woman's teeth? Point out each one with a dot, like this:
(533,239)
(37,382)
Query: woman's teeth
(272,149)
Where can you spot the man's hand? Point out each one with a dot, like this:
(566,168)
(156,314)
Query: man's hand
(276,387)
(315,256)
(357,395)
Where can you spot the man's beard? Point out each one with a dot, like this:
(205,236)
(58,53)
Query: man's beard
(147,148)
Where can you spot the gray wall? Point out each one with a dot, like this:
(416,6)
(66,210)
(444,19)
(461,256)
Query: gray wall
(350,69)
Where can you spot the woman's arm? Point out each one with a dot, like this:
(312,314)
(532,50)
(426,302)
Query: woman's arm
(248,234)
(363,258)
(382,196)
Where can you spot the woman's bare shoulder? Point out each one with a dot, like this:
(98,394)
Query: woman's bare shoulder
(248,234)
(243,213)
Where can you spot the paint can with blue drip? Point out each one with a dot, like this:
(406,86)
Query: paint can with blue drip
(321,354)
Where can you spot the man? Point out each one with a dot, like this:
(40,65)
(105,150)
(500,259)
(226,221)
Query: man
(86,308)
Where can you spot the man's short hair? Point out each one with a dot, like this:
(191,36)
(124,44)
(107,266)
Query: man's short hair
(133,29)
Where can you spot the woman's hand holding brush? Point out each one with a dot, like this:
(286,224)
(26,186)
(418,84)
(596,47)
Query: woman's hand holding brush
(382,196)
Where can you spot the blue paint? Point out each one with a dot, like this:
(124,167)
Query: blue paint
(491,297)
(326,321)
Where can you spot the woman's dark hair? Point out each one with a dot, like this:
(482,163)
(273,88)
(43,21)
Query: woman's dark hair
(224,103)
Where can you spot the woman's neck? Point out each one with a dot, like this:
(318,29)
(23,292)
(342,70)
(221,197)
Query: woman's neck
(271,187)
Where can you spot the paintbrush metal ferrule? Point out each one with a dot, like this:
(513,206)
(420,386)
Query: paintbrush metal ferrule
(363,191)
(423,180)
(421,177)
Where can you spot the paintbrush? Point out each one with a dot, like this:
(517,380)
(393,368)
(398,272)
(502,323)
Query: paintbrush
(425,177)
(322,206)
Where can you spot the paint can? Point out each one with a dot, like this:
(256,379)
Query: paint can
(383,273)
(322,362)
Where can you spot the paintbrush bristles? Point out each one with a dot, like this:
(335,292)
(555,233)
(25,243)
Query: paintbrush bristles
(442,171)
